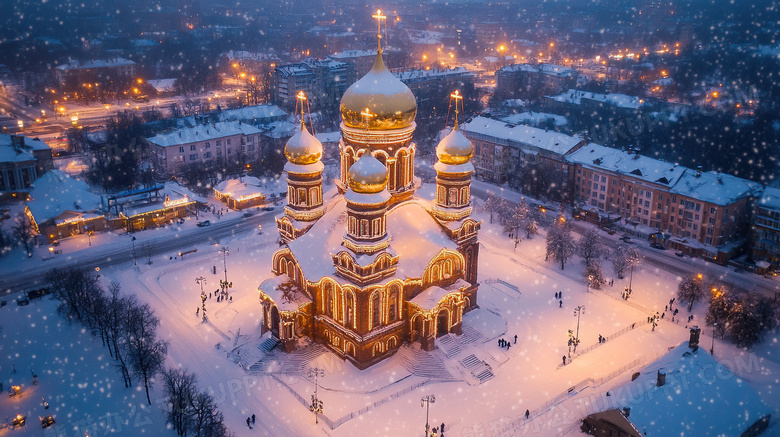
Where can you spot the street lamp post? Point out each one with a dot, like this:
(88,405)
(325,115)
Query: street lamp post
(712,346)
(316,406)
(631,278)
(225,252)
(134,260)
(578,312)
(426,402)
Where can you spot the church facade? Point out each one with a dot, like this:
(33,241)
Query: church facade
(373,266)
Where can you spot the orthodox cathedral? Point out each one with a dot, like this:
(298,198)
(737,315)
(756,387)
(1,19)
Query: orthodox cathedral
(373,266)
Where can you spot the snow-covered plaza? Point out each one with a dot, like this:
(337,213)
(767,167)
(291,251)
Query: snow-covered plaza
(481,388)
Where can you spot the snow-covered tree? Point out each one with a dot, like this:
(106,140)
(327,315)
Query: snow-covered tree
(690,290)
(589,247)
(719,310)
(145,352)
(560,246)
(744,324)
(594,275)
(492,204)
(516,218)
(531,228)
(619,262)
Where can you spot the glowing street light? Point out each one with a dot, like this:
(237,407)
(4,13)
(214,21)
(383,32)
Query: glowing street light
(426,402)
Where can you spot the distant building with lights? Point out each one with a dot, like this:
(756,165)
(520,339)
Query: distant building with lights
(532,81)
(233,141)
(249,191)
(22,161)
(74,74)
(373,267)
(323,81)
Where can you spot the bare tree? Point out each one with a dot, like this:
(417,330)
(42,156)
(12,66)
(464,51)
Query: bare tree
(179,389)
(117,323)
(144,352)
(594,274)
(492,204)
(24,232)
(148,251)
(207,421)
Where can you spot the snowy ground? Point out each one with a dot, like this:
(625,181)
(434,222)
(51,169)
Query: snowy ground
(383,400)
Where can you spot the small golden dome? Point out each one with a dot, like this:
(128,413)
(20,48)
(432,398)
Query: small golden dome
(454,149)
(303,148)
(367,175)
(389,101)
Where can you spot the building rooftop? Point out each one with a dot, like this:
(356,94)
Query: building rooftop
(99,63)
(715,187)
(55,193)
(547,140)
(620,100)
(203,132)
(642,167)
(549,69)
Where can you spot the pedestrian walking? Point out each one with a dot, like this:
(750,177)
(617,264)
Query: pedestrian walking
(560,295)
(515,338)
(527,413)
(508,345)
(248,420)
(599,338)
(197,311)
(253,419)
(560,304)
(499,342)
(564,360)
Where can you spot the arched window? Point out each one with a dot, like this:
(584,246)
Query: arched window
(441,195)
(315,196)
(447,268)
(392,303)
(350,305)
(375,310)
(291,270)
(327,292)
(363,227)
(302,196)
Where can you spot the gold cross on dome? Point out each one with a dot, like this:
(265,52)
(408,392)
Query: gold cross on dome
(456,96)
(379,17)
(367,115)
(301,96)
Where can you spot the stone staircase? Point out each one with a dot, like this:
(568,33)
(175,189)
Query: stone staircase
(268,345)
(422,363)
(479,369)
(278,361)
(449,344)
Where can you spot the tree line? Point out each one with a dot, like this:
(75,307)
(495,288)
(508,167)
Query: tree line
(128,329)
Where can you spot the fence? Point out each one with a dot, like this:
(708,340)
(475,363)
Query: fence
(628,328)
(502,282)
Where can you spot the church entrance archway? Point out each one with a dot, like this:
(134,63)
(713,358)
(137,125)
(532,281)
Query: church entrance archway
(441,324)
(275,321)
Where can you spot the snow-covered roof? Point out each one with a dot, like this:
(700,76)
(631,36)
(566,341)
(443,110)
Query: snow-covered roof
(619,100)
(641,167)
(548,69)
(271,287)
(204,132)
(425,37)
(422,74)
(99,63)
(535,118)
(547,140)
(431,296)
(770,199)
(329,137)
(243,55)
(249,185)
(162,85)
(700,397)
(55,193)
(351,54)
(280,129)
(714,187)
(415,237)
(6,145)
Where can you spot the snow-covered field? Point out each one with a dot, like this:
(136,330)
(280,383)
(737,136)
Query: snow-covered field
(77,378)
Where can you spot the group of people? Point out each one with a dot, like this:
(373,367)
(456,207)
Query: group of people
(626,293)
(602,339)
(559,296)
(505,343)
(250,421)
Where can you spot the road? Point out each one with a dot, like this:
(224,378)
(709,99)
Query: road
(118,254)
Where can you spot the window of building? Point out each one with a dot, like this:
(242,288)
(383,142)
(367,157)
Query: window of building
(228,141)
(192,147)
(207,155)
(208,145)
(375,310)
(698,206)
(601,197)
(712,210)
(181,149)
(193,157)
(219,143)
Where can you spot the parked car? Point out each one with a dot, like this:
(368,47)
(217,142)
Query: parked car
(247,214)
(657,246)
(625,239)
(679,253)
(739,270)
(268,208)
(204,223)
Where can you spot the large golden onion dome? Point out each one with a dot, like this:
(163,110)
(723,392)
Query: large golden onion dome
(390,102)
(303,148)
(454,149)
(367,175)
